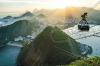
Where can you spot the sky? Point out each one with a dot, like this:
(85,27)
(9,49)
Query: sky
(23,5)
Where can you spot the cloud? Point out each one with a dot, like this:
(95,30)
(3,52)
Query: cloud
(29,1)
(23,5)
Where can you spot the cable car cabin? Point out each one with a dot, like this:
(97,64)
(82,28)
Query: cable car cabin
(83,27)
(83,24)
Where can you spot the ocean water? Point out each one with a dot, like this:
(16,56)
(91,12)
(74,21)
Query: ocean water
(94,42)
(8,55)
(90,38)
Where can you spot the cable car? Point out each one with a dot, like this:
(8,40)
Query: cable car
(83,27)
(83,24)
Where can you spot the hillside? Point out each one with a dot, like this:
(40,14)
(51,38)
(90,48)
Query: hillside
(19,28)
(50,48)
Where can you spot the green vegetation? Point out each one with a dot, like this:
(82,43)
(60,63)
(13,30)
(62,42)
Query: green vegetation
(79,63)
(91,61)
(50,48)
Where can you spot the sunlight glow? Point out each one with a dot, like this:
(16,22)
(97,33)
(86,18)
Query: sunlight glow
(65,3)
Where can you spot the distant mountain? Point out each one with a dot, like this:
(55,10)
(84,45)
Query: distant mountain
(27,13)
(71,16)
(7,17)
(41,15)
(11,18)
(19,28)
(50,48)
